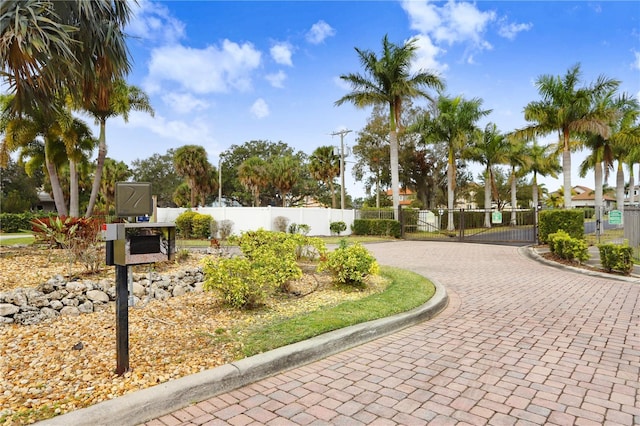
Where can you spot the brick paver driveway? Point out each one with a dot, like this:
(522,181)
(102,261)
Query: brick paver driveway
(520,343)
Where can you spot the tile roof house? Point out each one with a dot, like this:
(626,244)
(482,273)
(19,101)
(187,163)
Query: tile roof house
(586,197)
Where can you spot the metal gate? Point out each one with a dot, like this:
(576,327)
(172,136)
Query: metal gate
(479,226)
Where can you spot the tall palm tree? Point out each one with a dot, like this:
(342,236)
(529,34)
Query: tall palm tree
(388,81)
(79,144)
(489,150)
(191,162)
(454,123)
(543,161)
(253,176)
(324,165)
(568,110)
(284,174)
(122,99)
(75,45)
(517,159)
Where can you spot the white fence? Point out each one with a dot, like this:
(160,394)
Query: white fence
(253,218)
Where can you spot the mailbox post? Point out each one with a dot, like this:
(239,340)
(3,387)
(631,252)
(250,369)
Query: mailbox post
(133,244)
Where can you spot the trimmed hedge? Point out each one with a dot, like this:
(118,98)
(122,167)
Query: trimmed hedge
(616,257)
(566,247)
(381,227)
(570,221)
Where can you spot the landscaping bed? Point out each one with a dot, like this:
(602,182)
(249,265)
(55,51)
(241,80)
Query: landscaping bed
(68,362)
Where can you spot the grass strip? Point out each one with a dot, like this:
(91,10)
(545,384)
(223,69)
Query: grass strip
(405,291)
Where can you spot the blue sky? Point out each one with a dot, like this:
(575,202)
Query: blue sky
(221,73)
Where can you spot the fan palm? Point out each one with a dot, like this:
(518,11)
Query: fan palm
(324,166)
(191,162)
(253,176)
(284,174)
(388,81)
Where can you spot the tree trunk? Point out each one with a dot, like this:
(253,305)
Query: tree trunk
(632,184)
(97,178)
(598,196)
(534,191)
(487,198)
(395,180)
(56,189)
(450,190)
(620,187)
(514,198)
(74,202)
(566,170)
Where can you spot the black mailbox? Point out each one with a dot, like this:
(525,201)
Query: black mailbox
(140,243)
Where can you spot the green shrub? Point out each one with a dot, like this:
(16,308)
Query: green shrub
(337,227)
(201,225)
(570,221)
(566,247)
(272,252)
(238,281)
(381,227)
(17,222)
(184,224)
(350,264)
(616,257)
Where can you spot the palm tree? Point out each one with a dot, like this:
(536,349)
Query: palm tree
(388,81)
(543,161)
(20,130)
(568,110)
(517,159)
(324,166)
(122,100)
(114,171)
(79,144)
(489,150)
(453,123)
(191,162)
(253,176)
(75,45)
(284,174)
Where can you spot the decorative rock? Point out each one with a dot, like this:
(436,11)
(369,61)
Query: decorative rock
(86,307)
(69,310)
(57,296)
(97,296)
(7,309)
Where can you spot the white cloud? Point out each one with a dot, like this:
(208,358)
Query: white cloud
(196,131)
(636,63)
(208,70)
(260,109)
(277,79)
(152,21)
(183,103)
(426,54)
(319,32)
(281,53)
(511,30)
(451,23)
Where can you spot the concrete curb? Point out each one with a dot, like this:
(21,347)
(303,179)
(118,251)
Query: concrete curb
(150,403)
(531,253)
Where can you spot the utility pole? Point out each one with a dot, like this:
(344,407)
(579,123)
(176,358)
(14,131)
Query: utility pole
(341,133)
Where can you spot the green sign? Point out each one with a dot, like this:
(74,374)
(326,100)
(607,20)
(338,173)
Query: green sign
(615,217)
(496,217)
